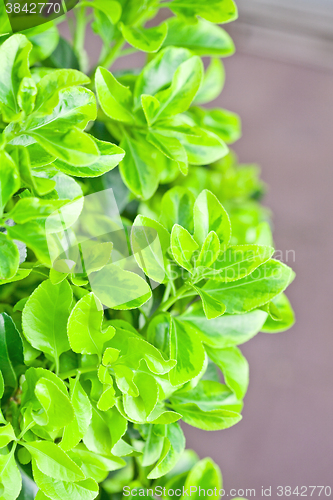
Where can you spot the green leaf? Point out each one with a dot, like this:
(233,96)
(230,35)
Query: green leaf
(186,348)
(85,327)
(153,446)
(7,435)
(211,420)
(9,181)
(29,488)
(212,84)
(27,209)
(205,475)
(183,246)
(14,61)
(138,168)
(138,408)
(120,289)
(225,124)
(11,351)
(105,430)
(9,257)
(26,95)
(10,478)
(150,241)
(86,489)
(227,330)
(60,132)
(134,349)
(234,367)
(158,73)
(209,252)
(209,215)
(202,38)
(44,40)
(33,156)
(20,275)
(50,86)
(63,56)
(57,407)
(114,98)
(213,308)
(45,317)
(239,261)
(179,96)
(255,290)
(161,416)
(96,466)
(202,146)
(53,461)
(171,147)
(111,9)
(177,208)
(215,11)
(286,316)
(146,39)
(173,447)
(32,377)
(76,430)
(208,395)
(33,235)
(110,156)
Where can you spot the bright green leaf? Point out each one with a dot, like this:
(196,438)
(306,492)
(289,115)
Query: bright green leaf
(202,38)
(183,246)
(9,257)
(114,98)
(146,39)
(85,327)
(234,367)
(209,215)
(255,290)
(75,430)
(286,316)
(110,156)
(215,11)
(177,208)
(227,330)
(45,317)
(10,478)
(212,84)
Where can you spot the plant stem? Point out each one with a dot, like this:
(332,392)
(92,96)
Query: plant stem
(79,38)
(76,371)
(166,305)
(109,58)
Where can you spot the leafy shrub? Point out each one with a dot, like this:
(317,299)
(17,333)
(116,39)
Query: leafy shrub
(91,397)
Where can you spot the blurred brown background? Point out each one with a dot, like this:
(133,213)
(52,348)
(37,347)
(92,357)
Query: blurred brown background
(281,83)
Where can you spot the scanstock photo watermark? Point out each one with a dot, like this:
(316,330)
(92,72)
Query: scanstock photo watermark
(237,494)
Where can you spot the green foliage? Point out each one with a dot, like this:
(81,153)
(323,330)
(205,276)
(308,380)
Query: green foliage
(114,327)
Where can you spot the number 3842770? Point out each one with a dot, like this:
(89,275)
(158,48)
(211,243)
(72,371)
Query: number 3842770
(304,491)
(33,8)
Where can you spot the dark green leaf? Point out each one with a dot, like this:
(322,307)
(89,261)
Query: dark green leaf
(11,351)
